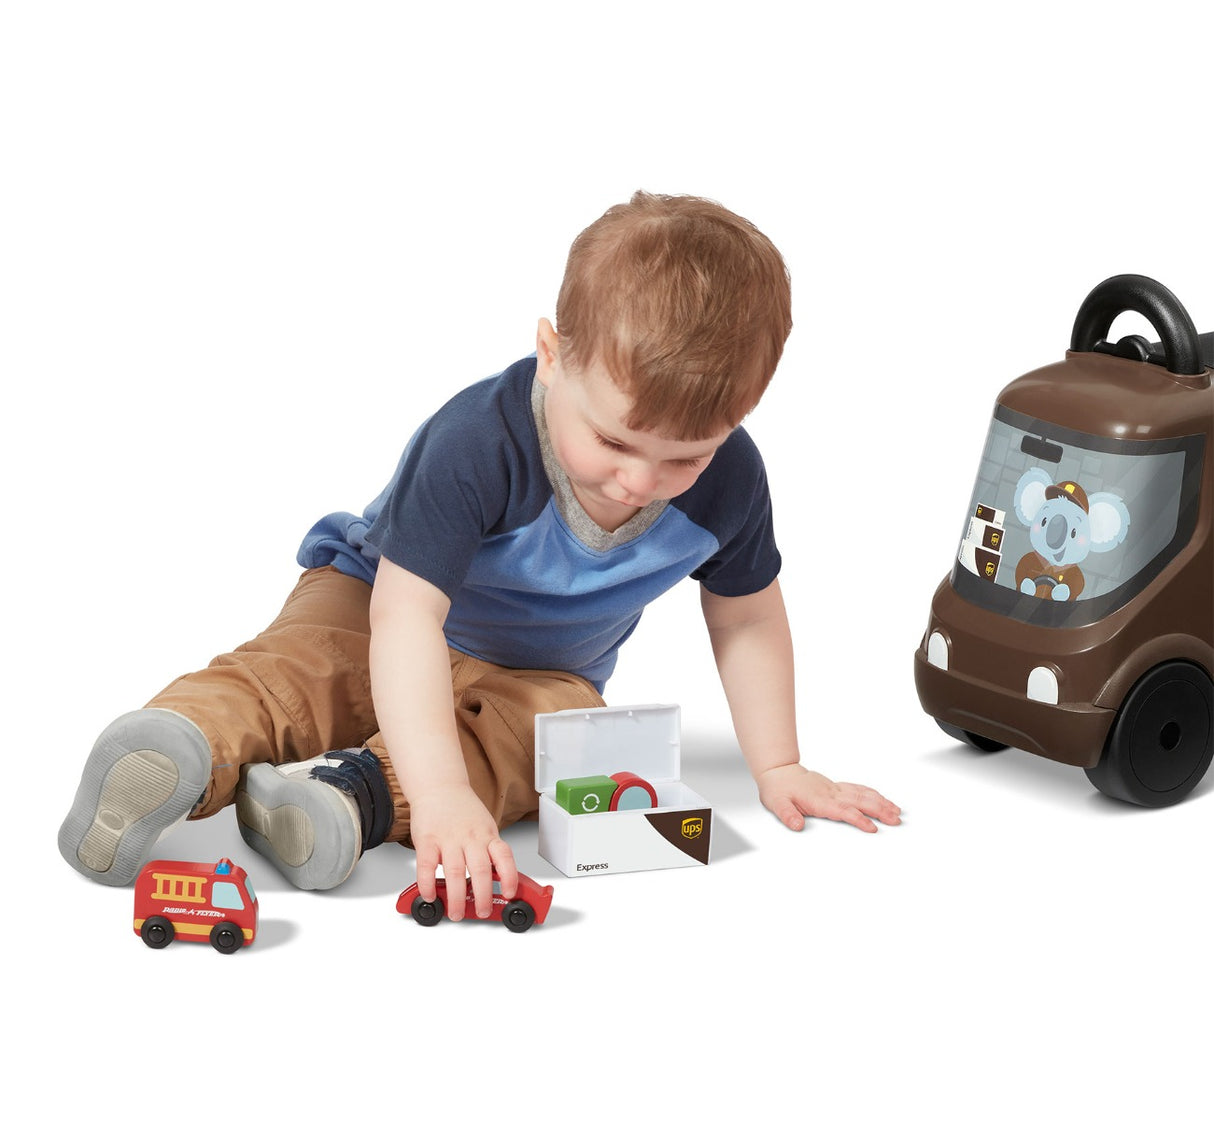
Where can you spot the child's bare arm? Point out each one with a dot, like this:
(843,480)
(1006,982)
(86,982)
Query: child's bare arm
(411,687)
(752,645)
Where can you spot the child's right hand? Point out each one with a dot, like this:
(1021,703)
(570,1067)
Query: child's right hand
(450,826)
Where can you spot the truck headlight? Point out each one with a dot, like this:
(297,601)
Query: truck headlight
(1043,685)
(937,650)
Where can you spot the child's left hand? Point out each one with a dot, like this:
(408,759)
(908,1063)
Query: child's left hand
(792,793)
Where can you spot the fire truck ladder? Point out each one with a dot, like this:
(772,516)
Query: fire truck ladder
(179,889)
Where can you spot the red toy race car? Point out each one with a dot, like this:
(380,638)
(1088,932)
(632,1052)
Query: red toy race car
(195,902)
(529,907)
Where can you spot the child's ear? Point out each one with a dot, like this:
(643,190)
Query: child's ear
(547,352)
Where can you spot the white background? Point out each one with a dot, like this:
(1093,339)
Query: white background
(246,248)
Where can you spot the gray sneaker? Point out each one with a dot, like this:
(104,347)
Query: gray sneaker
(147,770)
(314,819)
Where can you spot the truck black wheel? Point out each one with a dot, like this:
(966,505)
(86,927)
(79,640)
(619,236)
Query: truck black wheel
(157,932)
(518,916)
(227,937)
(426,914)
(1161,741)
(972,738)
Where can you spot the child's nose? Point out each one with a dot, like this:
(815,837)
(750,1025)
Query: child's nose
(639,479)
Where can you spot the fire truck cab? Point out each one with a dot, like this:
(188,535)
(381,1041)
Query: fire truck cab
(195,902)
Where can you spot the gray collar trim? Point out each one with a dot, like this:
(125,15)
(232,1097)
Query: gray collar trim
(584,527)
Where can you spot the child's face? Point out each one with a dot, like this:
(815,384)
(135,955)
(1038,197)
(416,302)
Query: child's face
(614,470)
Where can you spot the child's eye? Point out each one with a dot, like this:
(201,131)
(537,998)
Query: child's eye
(689,462)
(609,443)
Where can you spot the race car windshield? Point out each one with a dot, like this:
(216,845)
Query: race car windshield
(1064,527)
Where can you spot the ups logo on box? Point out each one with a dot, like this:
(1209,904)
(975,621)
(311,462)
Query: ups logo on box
(689,833)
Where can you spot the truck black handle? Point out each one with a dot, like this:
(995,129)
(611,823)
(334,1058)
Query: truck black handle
(1130,292)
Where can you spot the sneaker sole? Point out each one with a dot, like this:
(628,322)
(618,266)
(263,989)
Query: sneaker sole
(304,828)
(146,771)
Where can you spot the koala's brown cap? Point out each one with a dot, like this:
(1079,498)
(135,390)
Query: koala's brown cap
(1073,491)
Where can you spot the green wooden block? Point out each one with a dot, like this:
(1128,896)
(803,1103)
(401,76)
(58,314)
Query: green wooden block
(590,794)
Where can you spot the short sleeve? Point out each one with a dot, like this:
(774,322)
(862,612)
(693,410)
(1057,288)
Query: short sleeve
(451,489)
(735,505)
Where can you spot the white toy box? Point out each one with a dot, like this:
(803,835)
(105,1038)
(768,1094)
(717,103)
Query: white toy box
(644,740)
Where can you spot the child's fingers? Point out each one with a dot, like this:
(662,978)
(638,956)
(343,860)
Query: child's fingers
(841,808)
(456,875)
(789,813)
(427,866)
(848,802)
(507,870)
(853,815)
(872,803)
(480,871)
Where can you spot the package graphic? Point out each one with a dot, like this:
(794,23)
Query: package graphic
(981,547)
(654,821)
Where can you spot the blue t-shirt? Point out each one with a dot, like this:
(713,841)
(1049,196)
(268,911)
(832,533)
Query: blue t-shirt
(479,507)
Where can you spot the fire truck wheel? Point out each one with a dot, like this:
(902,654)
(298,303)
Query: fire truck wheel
(972,738)
(226,937)
(426,914)
(518,916)
(157,932)
(1162,739)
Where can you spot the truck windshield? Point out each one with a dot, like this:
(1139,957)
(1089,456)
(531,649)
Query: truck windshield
(1064,527)
(226,896)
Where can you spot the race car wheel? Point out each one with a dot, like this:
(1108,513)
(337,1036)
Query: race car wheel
(157,932)
(972,738)
(426,914)
(1162,739)
(518,916)
(227,937)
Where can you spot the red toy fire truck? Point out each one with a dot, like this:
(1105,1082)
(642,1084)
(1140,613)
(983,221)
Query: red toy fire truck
(528,907)
(195,902)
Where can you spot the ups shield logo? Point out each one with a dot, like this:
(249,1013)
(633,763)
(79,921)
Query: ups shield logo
(690,835)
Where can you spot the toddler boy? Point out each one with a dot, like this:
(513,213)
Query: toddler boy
(528,523)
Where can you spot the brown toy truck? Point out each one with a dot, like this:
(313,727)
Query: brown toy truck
(1078,620)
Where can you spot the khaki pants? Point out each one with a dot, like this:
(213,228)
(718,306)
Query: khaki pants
(303,687)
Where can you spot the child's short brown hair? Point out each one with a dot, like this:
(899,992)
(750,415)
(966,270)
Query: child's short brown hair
(686,304)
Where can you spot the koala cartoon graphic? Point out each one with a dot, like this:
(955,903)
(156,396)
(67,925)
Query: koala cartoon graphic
(1065,524)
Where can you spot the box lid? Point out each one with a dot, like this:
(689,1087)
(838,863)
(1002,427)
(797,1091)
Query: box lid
(643,739)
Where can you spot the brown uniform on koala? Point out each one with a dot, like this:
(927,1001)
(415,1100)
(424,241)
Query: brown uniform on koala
(1048,576)
(1033,566)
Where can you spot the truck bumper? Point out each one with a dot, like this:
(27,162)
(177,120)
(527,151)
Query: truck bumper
(1068,733)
